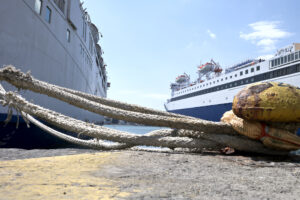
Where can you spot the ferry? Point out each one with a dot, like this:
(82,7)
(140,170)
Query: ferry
(211,95)
(58,43)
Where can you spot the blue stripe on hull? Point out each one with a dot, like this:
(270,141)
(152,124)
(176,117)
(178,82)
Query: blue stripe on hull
(211,113)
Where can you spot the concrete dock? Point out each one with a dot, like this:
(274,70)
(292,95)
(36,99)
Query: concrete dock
(89,174)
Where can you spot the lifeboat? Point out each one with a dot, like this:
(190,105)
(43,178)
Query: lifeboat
(207,67)
(182,78)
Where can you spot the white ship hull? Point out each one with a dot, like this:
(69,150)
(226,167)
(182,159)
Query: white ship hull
(56,51)
(210,99)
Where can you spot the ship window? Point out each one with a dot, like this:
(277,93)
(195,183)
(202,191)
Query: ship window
(83,25)
(281,60)
(278,61)
(292,57)
(225,78)
(275,62)
(241,73)
(278,73)
(289,58)
(296,55)
(296,68)
(252,69)
(38,6)
(221,79)
(217,80)
(285,59)
(235,75)
(84,30)
(246,71)
(214,81)
(230,76)
(68,35)
(60,4)
(257,68)
(91,44)
(285,71)
(48,15)
(270,75)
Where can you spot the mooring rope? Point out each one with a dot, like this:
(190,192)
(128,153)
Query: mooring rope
(120,105)
(190,133)
(160,138)
(92,130)
(26,81)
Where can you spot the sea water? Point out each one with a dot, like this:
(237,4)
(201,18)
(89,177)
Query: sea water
(139,130)
(134,129)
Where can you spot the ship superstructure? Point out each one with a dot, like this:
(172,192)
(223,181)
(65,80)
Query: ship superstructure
(212,93)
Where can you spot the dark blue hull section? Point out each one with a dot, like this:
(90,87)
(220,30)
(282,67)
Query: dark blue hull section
(211,113)
(28,138)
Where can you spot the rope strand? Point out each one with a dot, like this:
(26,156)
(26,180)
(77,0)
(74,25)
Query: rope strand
(190,133)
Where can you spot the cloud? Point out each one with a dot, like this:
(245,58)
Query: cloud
(265,57)
(211,34)
(265,34)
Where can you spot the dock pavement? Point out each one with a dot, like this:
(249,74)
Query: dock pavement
(90,174)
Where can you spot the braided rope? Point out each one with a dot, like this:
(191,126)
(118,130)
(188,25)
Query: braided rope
(26,81)
(192,134)
(100,132)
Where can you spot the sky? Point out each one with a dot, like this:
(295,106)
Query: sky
(147,44)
